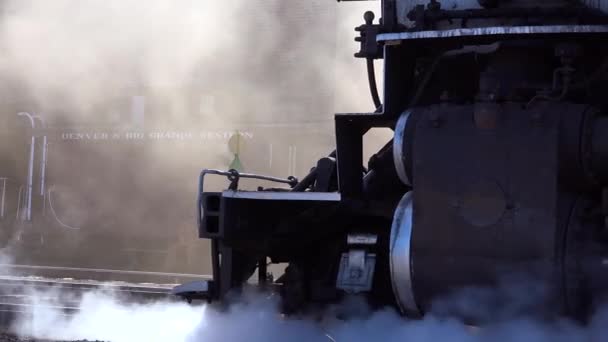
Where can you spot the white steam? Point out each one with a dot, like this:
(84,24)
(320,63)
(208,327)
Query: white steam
(512,311)
(76,54)
(71,56)
(102,317)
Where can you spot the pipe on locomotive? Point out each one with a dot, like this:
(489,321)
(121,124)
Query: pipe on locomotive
(373,87)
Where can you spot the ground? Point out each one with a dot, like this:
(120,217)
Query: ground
(12,338)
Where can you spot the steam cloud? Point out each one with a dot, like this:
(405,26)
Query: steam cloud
(72,61)
(102,317)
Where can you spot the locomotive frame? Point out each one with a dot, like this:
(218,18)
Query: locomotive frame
(496,166)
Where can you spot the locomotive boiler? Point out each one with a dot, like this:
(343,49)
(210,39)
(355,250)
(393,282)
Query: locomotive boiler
(498,165)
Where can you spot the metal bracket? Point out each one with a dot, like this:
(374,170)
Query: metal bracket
(370,48)
(357,267)
(356,271)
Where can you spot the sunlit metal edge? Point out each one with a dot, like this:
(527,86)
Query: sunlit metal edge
(493,31)
(400,256)
(289,196)
(398,151)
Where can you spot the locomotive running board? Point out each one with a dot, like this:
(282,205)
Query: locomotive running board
(283,195)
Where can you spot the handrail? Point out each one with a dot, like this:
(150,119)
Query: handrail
(233,176)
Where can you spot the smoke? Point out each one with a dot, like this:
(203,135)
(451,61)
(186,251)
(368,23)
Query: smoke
(201,68)
(73,55)
(102,316)
(510,312)
(69,59)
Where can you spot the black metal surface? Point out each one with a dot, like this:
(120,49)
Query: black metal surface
(399,71)
(247,220)
(235,269)
(429,17)
(306,182)
(349,143)
(326,175)
(373,88)
(215,265)
(599,150)
(484,216)
(350,129)
(389,20)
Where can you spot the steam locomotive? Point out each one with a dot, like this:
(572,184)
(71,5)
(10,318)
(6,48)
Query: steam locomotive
(498,165)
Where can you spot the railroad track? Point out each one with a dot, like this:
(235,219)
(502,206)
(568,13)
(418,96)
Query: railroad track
(4,337)
(20,295)
(95,273)
(48,290)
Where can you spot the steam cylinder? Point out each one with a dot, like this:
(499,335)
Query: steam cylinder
(489,204)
